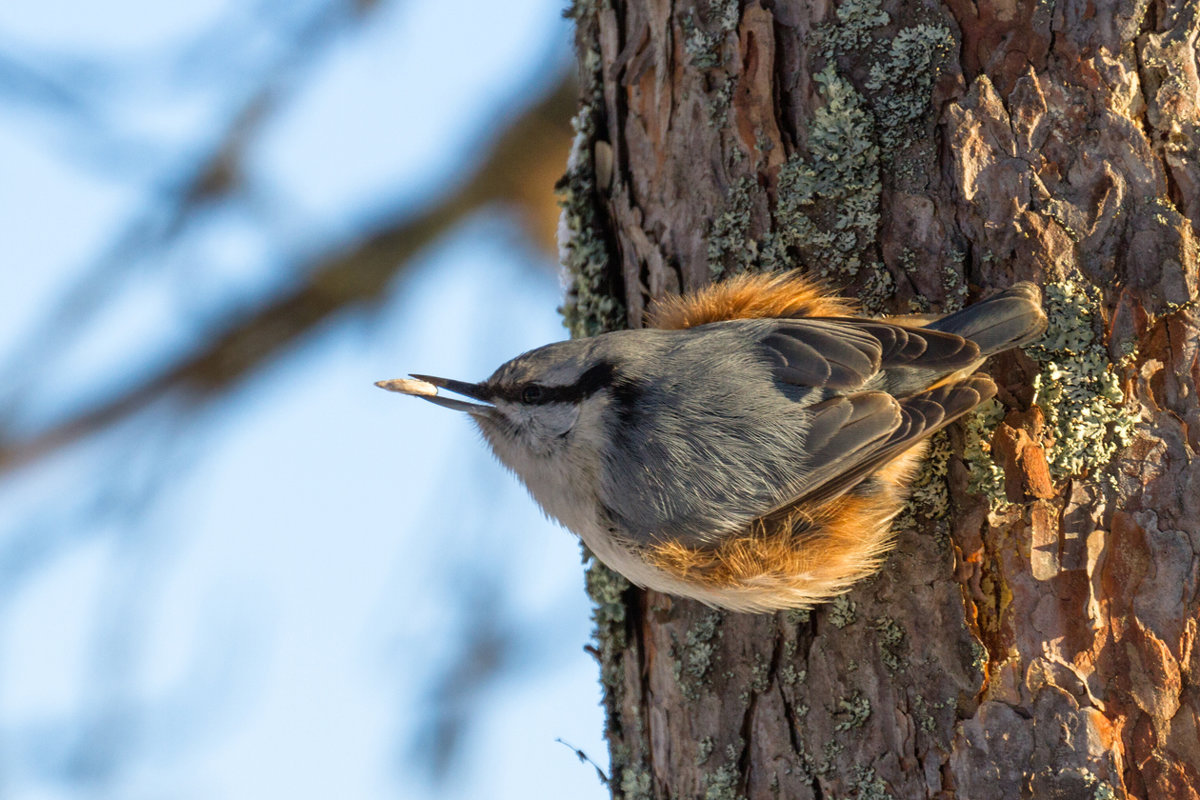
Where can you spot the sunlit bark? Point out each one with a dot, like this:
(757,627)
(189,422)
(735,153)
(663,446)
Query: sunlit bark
(1033,633)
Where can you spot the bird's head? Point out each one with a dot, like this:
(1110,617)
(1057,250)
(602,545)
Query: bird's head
(533,406)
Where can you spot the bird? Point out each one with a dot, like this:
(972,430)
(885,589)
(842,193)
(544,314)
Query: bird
(750,447)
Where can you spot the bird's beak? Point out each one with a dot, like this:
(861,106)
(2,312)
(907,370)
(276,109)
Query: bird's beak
(426,387)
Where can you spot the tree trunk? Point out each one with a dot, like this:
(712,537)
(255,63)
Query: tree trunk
(1034,632)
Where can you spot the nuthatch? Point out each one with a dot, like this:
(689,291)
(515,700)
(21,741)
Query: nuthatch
(752,446)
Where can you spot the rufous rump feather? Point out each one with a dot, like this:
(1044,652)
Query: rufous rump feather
(750,296)
(801,555)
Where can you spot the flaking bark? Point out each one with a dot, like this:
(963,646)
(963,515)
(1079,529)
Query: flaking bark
(1034,637)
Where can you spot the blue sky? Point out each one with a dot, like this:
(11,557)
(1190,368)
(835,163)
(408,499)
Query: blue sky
(257,603)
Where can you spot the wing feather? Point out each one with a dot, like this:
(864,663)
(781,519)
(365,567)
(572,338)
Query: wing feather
(844,396)
(844,355)
(835,471)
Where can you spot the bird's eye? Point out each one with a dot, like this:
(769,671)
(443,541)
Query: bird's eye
(531,393)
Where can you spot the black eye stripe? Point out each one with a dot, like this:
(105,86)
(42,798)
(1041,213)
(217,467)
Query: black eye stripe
(589,383)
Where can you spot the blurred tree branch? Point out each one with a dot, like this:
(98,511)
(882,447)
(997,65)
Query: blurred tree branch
(246,68)
(520,169)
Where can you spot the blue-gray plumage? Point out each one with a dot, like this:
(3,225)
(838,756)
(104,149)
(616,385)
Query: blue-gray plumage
(688,438)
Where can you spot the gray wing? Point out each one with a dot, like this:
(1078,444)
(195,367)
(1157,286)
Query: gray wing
(1012,318)
(847,457)
(855,433)
(842,355)
(709,460)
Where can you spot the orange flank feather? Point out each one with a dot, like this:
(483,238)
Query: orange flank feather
(802,554)
(750,296)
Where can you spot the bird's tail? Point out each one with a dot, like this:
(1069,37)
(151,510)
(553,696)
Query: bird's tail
(1012,318)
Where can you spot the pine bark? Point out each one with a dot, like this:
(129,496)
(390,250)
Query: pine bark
(1034,633)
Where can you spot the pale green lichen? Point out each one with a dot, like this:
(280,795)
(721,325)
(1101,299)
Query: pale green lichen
(892,118)
(1062,213)
(852,712)
(760,674)
(984,476)
(702,47)
(854,29)
(636,784)
(867,785)
(1164,212)
(722,783)
(693,660)
(763,143)
(718,106)
(704,749)
(827,212)
(584,252)
(829,753)
(891,641)
(901,82)
(918,305)
(879,287)
(920,711)
(828,207)
(979,656)
(1101,790)
(842,611)
(928,495)
(798,616)
(954,285)
(1077,389)
(589,308)
(904,66)
(606,590)
(730,248)
(792,676)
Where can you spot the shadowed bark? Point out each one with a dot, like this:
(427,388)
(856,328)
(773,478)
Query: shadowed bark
(1033,634)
